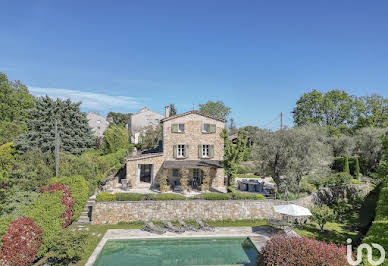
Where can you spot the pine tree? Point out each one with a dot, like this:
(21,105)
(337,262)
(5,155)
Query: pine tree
(75,133)
(346,165)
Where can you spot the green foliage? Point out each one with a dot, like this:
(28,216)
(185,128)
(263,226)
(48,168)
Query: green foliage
(105,196)
(372,111)
(10,130)
(289,154)
(150,138)
(46,212)
(378,231)
(75,133)
(241,169)
(233,156)
(15,101)
(7,157)
(247,196)
(119,119)
(357,173)
(290,195)
(165,196)
(383,166)
(5,221)
(163,183)
(16,200)
(214,196)
(337,179)
(68,247)
(346,165)
(79,191)
(306,186)
(129,197)
(215,109)
(173,110)
(355,181)
(321,215)
(115,138)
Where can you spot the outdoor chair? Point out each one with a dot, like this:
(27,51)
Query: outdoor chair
(150,227)
(203,226)
(172,228)
(187,226)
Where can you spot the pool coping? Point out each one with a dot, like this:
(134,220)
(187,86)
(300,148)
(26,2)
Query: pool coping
(257,237)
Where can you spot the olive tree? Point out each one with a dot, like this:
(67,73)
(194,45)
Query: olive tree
(289,154)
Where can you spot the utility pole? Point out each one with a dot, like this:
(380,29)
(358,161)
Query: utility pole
(57,146)
(281,120)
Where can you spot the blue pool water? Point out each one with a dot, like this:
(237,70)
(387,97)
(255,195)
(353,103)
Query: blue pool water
(182,251)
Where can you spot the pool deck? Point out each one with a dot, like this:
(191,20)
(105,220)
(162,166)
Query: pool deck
(258,235)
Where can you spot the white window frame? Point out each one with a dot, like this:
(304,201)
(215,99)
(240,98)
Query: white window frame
(205,150)
(180,153)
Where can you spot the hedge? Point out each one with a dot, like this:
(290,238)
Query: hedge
(46,212)
(21,242)
(105,196)
(378,231)
(79,191)
(339,164)
(292,250)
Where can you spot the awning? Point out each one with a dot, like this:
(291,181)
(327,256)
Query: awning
(192,164)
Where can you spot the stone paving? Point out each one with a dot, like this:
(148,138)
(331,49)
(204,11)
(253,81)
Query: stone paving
(258,235)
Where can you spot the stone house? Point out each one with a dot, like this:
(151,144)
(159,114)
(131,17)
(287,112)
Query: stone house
(140,120)
(192,147)
(98,124)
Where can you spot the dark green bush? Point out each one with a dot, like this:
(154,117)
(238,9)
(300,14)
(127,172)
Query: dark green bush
(68,247)
(214,196)
(105,196)
(129,197)
(79,191)
(247,196)
(46,212)
(165,196)
(337,179)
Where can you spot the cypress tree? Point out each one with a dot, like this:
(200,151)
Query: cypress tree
(75,133)
(346,165)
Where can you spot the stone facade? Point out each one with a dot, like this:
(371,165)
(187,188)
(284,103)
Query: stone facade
(130,211)
(191,137)
(98,124)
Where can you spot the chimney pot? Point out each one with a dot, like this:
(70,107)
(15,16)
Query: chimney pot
(167,111)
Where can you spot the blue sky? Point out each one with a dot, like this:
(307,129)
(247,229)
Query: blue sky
(258,57)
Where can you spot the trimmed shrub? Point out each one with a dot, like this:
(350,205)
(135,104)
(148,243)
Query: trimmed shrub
(166,196)
(378,231)
(129,196)
(105,196)
(247,196)
(79,191)
(66,200)
(68,247)
(286,250)
(46,212)
(346,165)
(214,196)
(337,179)
(356,167)
(21,242)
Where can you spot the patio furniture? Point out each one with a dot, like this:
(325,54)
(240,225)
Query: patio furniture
(172,228)
(124,184)
(203,226)
(150,227)
(178,188)
(187,226)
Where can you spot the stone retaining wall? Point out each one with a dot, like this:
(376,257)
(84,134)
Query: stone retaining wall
(129,211)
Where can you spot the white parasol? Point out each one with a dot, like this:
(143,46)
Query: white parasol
(292,210)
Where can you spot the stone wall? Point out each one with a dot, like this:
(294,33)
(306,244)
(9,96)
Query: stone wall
(129,211)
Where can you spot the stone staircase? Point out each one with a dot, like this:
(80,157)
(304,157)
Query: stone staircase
(85,216)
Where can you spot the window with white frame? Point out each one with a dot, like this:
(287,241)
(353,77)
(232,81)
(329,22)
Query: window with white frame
(205,151)
(181,151)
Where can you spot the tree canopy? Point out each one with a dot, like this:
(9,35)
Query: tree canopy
(216,109)
(75,133)
(340,112)
(119,119)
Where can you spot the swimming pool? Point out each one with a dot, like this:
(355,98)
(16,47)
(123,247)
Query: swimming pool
(179,251)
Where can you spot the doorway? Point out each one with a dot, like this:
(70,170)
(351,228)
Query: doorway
(145,173)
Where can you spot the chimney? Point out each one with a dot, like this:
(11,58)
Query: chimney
(167,111)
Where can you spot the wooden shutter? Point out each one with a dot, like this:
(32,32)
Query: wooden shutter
(183,130)
(212,128)
(199,151)
(174,128)
(211,151)
(174,151)
(186,151)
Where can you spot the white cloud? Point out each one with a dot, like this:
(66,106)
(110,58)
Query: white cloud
(97,102)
